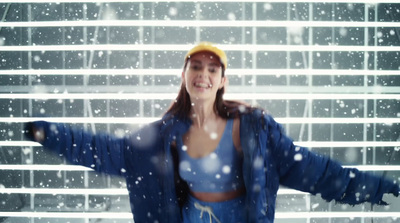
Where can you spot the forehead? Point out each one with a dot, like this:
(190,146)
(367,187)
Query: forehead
(206,57)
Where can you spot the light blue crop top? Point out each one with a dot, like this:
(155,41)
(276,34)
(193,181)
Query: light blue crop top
(220,171)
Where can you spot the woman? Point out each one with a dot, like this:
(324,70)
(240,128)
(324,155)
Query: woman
(208,159)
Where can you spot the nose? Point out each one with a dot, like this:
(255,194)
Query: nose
(203,71)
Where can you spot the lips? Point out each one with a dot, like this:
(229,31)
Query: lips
(202,85)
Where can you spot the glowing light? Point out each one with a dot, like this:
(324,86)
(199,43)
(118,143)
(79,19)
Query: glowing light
(39,167)
(72,191)
(176,72)
(335,144)
(172,96)
(126,215)
(146,120)
(85,215)
(199,23)
(309,144)
(272,1)
(104,120)
(330,214)
(174,48)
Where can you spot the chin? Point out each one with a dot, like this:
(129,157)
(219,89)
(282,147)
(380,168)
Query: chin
(198,97)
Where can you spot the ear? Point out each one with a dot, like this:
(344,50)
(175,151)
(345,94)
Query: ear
(183,76)
(224,81)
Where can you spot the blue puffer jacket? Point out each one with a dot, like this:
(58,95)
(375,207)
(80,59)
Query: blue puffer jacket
(146,161)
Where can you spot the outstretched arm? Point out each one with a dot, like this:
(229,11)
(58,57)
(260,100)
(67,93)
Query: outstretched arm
(304,170)
(100,152)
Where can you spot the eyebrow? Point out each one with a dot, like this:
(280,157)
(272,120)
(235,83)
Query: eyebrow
(195,61)
(210,64)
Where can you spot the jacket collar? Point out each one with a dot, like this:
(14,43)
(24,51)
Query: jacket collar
(173,126)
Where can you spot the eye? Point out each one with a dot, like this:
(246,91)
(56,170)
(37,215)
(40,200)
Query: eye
(212,70)
(195,67)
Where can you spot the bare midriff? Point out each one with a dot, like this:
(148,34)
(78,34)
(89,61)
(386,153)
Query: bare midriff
(218,197)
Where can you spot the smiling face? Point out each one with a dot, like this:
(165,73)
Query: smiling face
(203,76)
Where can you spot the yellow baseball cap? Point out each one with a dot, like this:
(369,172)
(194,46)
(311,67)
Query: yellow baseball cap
(210,47)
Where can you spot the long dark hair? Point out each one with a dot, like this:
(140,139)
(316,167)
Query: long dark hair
(225,108)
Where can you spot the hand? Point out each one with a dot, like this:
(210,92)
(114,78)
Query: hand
(38,134)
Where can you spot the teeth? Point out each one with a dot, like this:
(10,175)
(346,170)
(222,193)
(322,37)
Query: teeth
(204,85)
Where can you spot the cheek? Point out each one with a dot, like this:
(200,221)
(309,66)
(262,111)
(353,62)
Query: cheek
(217,80)
(185,77)
(186,80)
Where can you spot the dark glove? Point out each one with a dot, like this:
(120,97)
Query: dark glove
(28,131)
(31,126)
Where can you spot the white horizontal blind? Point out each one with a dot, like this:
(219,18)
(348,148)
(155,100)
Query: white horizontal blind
(328,71)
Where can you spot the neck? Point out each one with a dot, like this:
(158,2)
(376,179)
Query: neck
(202,113)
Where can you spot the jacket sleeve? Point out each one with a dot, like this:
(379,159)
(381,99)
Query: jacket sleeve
(301,169)
(100,152)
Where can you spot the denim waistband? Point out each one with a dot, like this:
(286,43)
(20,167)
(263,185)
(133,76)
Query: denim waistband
(214,209)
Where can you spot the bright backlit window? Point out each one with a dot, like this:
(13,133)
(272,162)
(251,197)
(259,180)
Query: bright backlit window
(329,72)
